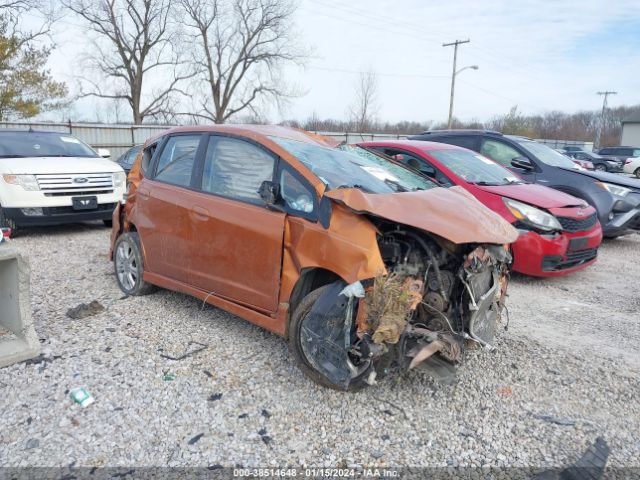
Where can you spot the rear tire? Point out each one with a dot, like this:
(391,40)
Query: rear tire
(108,223)
(128,264)
(296,349)
(600,167)
(637,172)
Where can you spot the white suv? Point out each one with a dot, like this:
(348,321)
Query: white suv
(49,178)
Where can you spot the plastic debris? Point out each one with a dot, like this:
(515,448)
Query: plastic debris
(169,377)
(353,290)
(81,396)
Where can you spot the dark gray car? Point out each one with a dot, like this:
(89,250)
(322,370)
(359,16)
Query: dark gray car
(619,153)
(600,163)
(615,197)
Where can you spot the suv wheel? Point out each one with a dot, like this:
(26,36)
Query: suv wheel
(600,167)
(637,172)
(129,265)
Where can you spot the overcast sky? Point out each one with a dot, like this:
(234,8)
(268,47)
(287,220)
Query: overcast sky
(539,55)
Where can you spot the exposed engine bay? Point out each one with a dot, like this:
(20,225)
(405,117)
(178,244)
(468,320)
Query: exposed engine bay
(436,299)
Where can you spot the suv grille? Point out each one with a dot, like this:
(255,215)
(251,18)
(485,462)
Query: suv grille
(574,225)
(68,184)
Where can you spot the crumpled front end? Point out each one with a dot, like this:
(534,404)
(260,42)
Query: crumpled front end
(436,299)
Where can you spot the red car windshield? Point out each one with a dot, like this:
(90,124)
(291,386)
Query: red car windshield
(474,168)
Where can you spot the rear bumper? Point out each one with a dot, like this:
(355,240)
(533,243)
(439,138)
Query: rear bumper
(60,215)
(549,256)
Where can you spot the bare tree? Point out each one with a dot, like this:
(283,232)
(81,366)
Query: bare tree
(364,108)
(135,41)
(241,46)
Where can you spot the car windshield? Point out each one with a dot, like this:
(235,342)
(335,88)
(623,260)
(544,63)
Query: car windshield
(547,155)
(354,167)
(474,168)
(42,144)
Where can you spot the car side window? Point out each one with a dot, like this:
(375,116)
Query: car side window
(297,197)
(147,155)
(463,141)
(499,152)
(605,151)
(176,161)
(636,152)
(418,164)
(235,168)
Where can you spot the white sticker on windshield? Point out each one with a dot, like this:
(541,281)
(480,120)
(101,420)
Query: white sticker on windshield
(484,159)
(69,139)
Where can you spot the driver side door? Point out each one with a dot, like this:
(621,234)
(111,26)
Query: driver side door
(236,241)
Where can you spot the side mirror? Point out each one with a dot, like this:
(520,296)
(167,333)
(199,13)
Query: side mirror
(269,192)
(103,152)
(522,162)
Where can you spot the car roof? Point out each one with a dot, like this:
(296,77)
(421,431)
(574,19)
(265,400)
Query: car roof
(421,145)
(257,132)
(461,131)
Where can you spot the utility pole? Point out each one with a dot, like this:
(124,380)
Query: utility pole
(453,74)
(601,122)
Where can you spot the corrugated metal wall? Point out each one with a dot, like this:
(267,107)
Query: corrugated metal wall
(117,138)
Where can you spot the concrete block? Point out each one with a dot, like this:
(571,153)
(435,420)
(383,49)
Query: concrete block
(18,339)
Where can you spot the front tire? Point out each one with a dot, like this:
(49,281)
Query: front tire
(600,167)
(297,351)
(637,172)
(129,265)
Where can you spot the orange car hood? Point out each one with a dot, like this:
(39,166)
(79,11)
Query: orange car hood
(451,213)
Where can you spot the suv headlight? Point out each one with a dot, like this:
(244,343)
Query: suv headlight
(614,189)
(119,178)
(28,182)
(532,215)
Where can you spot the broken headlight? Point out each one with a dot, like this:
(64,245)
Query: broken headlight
(532,215)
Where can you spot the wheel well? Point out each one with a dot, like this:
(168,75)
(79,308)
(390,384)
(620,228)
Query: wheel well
(310,279)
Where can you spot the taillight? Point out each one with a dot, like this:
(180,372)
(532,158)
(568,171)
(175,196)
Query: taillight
(628,160)
(6,233)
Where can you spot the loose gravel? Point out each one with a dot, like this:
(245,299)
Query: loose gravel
(564,373)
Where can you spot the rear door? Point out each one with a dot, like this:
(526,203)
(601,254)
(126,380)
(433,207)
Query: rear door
(237,242)
(163,206)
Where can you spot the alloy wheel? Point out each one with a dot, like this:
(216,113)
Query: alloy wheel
(126,265)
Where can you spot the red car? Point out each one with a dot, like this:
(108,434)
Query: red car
(559,233)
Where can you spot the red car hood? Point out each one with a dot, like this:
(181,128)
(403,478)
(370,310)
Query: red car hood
(536,195)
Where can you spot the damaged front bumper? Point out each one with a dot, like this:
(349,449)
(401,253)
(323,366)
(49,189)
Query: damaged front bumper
(364,331)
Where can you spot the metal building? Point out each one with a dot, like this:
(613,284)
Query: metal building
(631,131)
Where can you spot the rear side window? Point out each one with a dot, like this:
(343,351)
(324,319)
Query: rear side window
(147,155)
(470,142)
(175,164)
(499,152)
(234,168)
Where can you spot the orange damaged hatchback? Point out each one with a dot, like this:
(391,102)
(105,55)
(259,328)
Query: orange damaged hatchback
(365,267)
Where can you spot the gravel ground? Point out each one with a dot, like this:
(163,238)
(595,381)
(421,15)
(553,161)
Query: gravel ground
(565,373)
